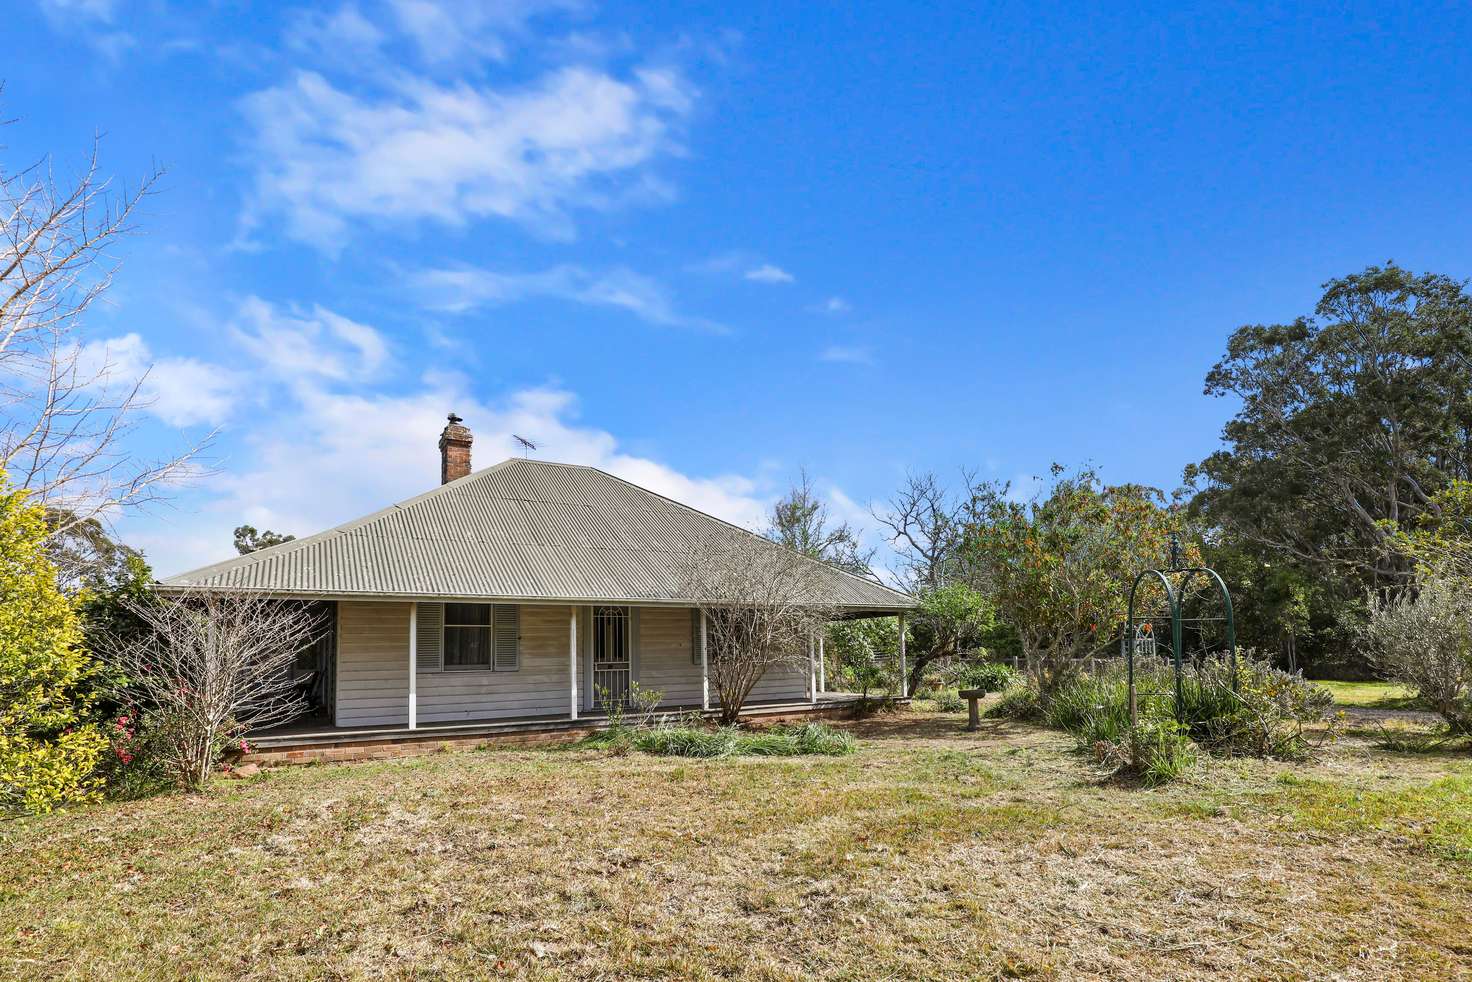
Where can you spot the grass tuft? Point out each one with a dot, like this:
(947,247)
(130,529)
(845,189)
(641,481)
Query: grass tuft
(808,739)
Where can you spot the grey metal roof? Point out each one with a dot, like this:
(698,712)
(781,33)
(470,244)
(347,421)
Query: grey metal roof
(521,530)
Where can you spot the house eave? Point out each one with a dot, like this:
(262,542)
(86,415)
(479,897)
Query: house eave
(844,611)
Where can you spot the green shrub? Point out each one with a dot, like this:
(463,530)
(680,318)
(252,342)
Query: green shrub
(1018,702)
(818,739)
(133,766)
(681,741)
(48,747)
(988,676)
(947,701)
(1265,716)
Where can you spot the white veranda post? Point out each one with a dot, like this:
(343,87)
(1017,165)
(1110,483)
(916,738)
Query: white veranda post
(813,669)
(904,675)
(572,663)
(413,665)
(822,668)
(704,666)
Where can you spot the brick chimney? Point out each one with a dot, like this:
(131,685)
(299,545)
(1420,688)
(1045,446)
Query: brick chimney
(454,450)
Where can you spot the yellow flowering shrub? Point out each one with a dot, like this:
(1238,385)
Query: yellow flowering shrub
(48,746)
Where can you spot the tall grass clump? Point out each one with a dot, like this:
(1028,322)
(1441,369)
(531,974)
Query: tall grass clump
(692,740)
(686,741)
(1159,751)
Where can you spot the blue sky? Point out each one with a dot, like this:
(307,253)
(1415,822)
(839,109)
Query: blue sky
(704,245)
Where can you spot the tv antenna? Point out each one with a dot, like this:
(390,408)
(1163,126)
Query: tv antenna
(526,445)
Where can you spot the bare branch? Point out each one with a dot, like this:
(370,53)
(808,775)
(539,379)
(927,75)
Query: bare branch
(211,666)
(763,605)
(64,420)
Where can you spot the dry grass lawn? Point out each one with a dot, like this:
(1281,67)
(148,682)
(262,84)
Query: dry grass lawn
(932,853)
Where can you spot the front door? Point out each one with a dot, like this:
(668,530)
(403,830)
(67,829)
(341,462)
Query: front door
(611,656)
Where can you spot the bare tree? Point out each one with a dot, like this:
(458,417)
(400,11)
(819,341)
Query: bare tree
(210,666)
(764,606)
(800,521)
(64,413)
(926,522)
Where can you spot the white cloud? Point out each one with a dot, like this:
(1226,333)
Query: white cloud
(833,305)
(341,36)
(767,273)
(1024,488)
(459,290)
(379,448)
(316,342)
(90,20)
(577,138)
(60,11)
(847,354)
(450,30)
(179,391)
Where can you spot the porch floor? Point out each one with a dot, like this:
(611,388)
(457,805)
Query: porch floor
(315,732)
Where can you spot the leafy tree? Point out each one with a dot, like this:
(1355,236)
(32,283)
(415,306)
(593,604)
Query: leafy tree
(1275,602)
(85,554)
(800,521)
(1059,570)
(48,749)
(108,606)
(863,653)
(249,540)
(1351,419)
(950,621)
(1441,540)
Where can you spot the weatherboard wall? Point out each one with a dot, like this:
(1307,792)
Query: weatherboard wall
(373,668)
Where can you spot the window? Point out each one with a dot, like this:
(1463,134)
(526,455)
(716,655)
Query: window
(467,636)
(484,637)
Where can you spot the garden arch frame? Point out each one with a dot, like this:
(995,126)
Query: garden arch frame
(1174,592)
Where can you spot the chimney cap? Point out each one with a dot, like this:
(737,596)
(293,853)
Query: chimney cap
(454,420)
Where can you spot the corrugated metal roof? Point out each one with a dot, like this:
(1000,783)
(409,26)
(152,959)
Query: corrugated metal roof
(521,530)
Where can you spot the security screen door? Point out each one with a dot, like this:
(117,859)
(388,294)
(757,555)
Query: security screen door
(611,665)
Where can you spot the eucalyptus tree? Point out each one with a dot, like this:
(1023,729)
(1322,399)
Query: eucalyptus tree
(800,520)
(1350,420)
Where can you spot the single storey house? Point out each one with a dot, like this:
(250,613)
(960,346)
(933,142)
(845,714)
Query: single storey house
(522,593)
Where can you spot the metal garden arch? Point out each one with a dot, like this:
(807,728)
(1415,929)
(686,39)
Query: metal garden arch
(1131,641)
